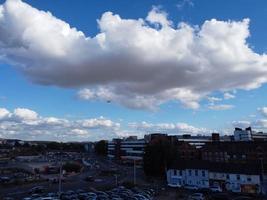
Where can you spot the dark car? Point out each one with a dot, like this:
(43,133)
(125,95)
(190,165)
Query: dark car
(37,190)
(89,179)
(219,197)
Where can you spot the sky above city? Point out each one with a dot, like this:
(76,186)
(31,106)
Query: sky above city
(82,70)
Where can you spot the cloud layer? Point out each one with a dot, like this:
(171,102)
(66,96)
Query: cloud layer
(170,128)
(26,124)
(139,63)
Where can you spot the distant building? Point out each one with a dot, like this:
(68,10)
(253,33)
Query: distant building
(126,150)
(243,135)
(249,135)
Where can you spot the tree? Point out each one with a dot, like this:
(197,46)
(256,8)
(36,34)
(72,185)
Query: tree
(158,156)
(101,148)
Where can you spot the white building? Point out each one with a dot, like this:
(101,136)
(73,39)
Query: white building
(229,177)
(249,135)
(243,135)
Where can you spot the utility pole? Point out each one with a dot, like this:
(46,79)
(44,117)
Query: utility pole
(262,176)
(116,179)
(134,173)
(60,171)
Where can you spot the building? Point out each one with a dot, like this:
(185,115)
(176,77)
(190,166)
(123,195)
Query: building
(227,176)
(126,150)
(243,135)
(238,152)
(249,135)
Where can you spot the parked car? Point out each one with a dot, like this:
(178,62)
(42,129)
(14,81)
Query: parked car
(89,179)
(215,188)
(37,190)
(174,185)
(196,196)
(5,179)
(220,196)
(190,187)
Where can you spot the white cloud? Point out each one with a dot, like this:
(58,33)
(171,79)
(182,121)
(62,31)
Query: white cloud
(172,128)
(228,95)
(263,111)
(131,59)
(157,16)
(241,124)
(221,107)
(99,123)
(32,126)
(25,114)
(4,113)
(184,3)
(28,125)
(213,99)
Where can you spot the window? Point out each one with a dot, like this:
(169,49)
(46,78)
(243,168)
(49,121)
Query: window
(203,173)
(181,173)
(190,172)
(248,179)
(196,172)
(174,172)
(227,176)
(237,177)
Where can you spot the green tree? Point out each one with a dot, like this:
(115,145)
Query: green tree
(158,156)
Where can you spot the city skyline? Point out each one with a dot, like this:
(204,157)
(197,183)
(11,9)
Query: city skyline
(98,69)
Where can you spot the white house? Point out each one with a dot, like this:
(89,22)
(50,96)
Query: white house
(229,177)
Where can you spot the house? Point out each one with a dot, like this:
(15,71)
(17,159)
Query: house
(232,177)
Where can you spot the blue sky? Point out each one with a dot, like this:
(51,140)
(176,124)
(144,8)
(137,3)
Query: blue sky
(48,97)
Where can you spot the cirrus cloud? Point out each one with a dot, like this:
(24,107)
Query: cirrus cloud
(132,59)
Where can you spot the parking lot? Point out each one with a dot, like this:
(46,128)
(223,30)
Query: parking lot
(102,175)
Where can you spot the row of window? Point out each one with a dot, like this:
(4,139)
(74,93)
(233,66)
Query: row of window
(196,173)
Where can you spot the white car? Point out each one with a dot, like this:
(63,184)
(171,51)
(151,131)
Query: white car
(191,187)
(196,196)
(215,188)
(174,185)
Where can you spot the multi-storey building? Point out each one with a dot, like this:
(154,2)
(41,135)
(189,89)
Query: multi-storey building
(126,150)
(240,152)
(249,135)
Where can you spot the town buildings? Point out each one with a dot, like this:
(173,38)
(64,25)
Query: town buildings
(231,177)
(235,163)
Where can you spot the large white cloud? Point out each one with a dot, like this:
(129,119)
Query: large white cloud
(132,60)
